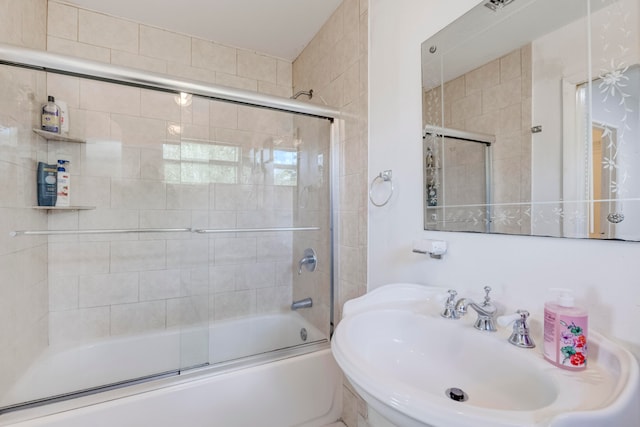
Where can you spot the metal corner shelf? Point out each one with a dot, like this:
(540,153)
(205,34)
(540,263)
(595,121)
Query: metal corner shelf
(52,136)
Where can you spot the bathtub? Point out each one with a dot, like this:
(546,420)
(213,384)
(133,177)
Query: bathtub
(270,370)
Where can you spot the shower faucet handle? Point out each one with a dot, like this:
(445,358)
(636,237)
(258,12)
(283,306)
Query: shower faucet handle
(308,260)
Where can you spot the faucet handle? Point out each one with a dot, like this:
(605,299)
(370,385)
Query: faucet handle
(449,311)
(520,336)
(487,298)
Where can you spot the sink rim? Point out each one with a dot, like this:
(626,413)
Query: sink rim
(395,395)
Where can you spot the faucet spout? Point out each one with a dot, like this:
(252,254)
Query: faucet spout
(486,311)
(303,303)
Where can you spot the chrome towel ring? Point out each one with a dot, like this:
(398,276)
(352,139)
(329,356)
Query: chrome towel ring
(384,176)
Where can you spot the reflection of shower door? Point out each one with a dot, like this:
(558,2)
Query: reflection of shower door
(462,180)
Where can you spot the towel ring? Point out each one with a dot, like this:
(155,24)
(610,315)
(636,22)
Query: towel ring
(384,176)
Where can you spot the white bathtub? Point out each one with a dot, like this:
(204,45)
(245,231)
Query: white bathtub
(277,388)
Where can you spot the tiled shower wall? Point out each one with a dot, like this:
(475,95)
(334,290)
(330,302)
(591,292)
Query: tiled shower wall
(495,99)
(334,65)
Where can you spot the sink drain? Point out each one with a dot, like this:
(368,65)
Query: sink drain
(303,334)
(456,394)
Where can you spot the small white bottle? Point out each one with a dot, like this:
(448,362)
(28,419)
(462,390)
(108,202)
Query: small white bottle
(63,198)
(565,332)
(51,116)
(64,117)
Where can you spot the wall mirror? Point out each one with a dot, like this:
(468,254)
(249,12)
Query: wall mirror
(531,120)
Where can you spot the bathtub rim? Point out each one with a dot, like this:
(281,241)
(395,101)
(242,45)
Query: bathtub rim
(181,379)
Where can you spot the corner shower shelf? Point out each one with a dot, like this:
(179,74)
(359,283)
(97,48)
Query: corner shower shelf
(52,136)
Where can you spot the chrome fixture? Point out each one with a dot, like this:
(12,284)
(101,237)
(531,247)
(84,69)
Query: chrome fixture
(303,303)
(308,260)
(486,311)
(449,311)
(496,5)
(309,93)
(520,336)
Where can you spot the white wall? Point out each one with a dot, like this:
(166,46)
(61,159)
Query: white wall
(520,269)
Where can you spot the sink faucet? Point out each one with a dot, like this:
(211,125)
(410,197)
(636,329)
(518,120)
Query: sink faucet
(486,311)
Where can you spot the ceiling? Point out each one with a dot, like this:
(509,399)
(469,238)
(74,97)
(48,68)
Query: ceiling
(281,28)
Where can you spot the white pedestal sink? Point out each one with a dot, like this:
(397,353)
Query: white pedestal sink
(402,357)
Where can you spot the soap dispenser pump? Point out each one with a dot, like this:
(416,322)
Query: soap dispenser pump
(565,331)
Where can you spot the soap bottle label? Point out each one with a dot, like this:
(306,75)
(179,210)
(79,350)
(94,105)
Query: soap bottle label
(572,342)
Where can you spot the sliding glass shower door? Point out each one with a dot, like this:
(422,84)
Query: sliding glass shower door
(186,214)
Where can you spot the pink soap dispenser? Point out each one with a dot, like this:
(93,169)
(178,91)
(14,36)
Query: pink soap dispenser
(565,331)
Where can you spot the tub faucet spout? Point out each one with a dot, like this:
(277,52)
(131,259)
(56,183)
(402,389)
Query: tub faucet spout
(303,303)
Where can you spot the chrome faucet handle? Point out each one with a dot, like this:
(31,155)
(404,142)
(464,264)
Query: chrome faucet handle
(487,298)
(520,337)
(450,311)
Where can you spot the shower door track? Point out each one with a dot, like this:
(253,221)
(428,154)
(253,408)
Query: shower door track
(68,65)
(184,374)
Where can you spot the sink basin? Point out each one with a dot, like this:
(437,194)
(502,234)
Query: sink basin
(418,369)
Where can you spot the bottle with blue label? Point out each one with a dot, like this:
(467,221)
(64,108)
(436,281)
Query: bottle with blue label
(47,184)
(51,116)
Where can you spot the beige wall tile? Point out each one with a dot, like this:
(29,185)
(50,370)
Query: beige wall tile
(63,293)
(186,71)
(166,45)
(62,21)
(510,66)
(238,82)
(80,50)
(160,284)
(134,60)
(23,23)
(213,56)
(137,256)
(138,317)
(235,250)
(273,299)
(107,97)
(234,304)
(284,70)
(137,194)
(108,289)
(483,77)
(106,31)
(223,114)
(79,325)
(78,258)
(273,89)
(257,67)
(159,105)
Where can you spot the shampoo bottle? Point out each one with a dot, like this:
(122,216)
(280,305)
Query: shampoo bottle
(51,116)
(47,188)
(64,184)
(565,332)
